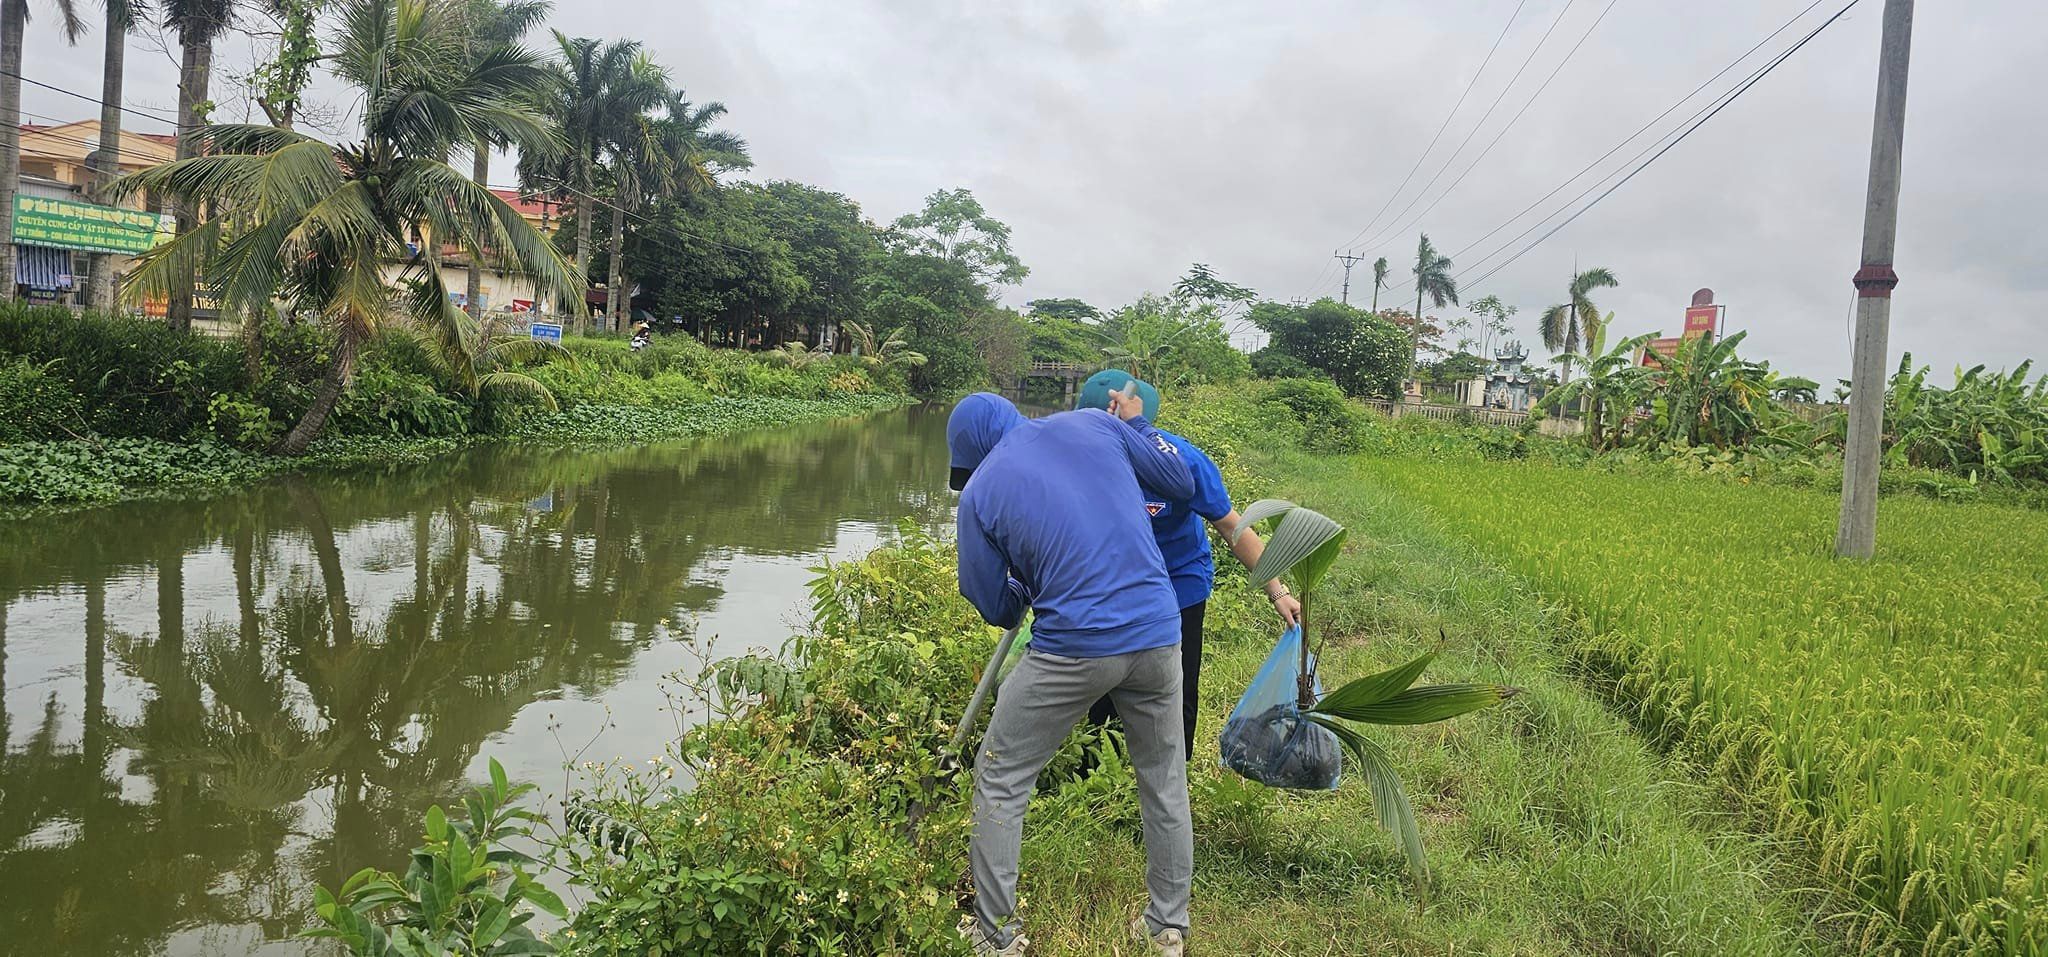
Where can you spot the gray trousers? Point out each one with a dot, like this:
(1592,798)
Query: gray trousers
(1039,704)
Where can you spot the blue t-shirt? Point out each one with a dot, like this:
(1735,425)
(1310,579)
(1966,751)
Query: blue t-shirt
(1177,525)
(1054,519)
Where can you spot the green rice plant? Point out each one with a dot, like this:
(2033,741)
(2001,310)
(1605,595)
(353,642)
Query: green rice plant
(1886,715)
(1304,544)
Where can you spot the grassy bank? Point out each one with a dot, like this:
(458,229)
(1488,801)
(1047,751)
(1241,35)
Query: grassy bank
(1552,828)
(97,409)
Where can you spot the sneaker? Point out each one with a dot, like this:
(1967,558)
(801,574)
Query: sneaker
(1171,942)
(970,929)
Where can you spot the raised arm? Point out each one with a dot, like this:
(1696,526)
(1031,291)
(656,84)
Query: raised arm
(985,574)
(1159,466)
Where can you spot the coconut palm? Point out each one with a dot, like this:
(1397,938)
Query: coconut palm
(598,86)
(658,155)
(1566,324)
(1433,279)
(494,24)
(325,219)
(198,23)
(1379,281)
(13,21)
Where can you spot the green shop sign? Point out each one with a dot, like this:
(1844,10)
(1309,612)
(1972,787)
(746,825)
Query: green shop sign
(100,229)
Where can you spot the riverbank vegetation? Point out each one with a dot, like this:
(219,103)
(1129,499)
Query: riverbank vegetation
(102,408)
(796,831)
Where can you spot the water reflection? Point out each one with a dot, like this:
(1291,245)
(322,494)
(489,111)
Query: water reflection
(209,705)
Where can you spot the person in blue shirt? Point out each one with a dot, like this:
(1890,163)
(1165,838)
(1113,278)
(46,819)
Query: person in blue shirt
(1177,525)
(1052,520)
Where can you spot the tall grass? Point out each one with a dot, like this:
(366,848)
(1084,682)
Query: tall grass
(1889,714)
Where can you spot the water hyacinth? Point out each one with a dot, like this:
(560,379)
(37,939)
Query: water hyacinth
(1887,714)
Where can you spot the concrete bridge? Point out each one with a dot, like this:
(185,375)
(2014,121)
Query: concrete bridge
(1069,374)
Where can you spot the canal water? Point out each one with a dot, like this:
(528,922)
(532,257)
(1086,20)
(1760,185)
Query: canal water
(209,706)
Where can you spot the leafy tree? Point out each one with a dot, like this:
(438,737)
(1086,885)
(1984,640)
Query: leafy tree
(1566,323)
(716,260)
(1058,339)
(1363,353)
(1169,341)
(829,245)
(1071,309)
(1432,279)
(322,220)
(953,227)
(930,298)
(1457,367)
(496,23)
(658,155)
(1496,321)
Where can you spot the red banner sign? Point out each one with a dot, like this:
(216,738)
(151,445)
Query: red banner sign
(1700,320)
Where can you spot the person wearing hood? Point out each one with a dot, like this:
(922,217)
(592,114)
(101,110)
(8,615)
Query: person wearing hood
(1051,520)
(1184,545)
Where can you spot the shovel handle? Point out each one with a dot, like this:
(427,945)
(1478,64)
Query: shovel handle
(988,683)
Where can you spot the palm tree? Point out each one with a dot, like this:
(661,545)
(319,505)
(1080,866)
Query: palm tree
(1565,324)
(325,219)
(1432,278)
(675,153)
(106,161)
(886,352)
(598,87)
(198,23)
(13,21)
(1379,281)
(496,23)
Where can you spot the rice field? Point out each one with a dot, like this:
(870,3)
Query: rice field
(1891,716)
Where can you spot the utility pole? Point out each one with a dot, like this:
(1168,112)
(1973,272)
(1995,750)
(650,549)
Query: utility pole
(1349,261)
(1856,536)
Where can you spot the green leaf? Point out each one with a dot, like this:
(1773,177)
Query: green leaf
(1421,705)
(522,946)
(1257,512)
(437,823)
(1306,543)
(543,898)
(1373,689)
(1389,799)
(499,785)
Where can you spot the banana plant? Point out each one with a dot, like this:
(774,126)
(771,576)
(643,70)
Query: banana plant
(1302,546)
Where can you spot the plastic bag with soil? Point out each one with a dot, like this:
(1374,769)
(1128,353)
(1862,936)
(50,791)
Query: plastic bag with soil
(1266,737)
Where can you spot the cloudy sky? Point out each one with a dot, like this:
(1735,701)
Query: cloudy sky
(1123,141)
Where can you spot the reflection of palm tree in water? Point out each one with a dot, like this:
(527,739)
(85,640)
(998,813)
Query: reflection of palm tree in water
(300,703)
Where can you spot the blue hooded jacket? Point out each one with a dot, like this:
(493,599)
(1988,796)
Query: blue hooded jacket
(1053,519)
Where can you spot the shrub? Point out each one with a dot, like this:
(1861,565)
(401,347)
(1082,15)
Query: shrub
(35,403)
(133,376)
(1270,363)
(1329,422)
(240,420)
(392,401)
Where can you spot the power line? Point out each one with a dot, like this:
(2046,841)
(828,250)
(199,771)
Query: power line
(1396,194)
(1379,240)
(1642,129)
(565,187)
(91,99)
(1503,130)
(1629,139)
(1730,98)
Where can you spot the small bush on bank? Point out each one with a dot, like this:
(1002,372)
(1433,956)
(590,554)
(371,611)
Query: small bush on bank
(1329,421)
(36,403)
(133,377)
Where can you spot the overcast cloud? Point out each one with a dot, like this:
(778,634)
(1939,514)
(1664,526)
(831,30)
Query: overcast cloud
(1123,141)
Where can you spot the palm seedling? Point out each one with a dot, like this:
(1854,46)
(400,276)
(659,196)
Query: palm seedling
(1302,546)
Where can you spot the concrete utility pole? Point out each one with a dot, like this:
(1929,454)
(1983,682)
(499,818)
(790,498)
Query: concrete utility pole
(1349,261)
(1856,536)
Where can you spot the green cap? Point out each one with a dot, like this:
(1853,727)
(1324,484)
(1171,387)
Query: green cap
(1095,392)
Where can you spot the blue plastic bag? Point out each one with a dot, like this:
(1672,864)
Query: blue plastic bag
(1266,737)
